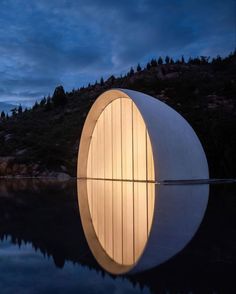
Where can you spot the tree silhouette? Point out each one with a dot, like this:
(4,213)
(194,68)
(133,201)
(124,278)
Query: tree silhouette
(43,101)
(14,111)
(131,72)
(101,81)
(182,59)
(148,67)
(160,60)
(190,60)
(139,68)
(3,115)
(20,110)
(204,59)
(48,105)
(36,105)
(153,62)
(167,59)
(59,97)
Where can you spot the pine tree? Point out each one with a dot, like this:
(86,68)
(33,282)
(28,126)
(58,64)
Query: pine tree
(101,81)
(59,97)
(14,111)
(182,59)
(131,72)
(43,101)
(3,115)
(48,105)
(20,110)
(148,67)
(139,68)
(36,105)
(167,59)
(153,62)
(160,60)
(190,60)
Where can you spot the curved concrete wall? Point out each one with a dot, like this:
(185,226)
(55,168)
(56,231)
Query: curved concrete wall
(178,153)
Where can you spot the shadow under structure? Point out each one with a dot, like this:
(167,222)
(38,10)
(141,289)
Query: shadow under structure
(130,145)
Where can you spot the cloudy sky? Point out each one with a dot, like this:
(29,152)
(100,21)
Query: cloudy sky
(73,42)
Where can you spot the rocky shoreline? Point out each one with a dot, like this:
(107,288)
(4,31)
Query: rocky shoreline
(9,168)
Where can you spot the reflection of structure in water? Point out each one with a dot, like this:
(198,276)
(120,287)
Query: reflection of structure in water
(122,214)
(46,215)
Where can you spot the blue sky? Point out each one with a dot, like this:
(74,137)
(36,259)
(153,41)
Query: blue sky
(73,42)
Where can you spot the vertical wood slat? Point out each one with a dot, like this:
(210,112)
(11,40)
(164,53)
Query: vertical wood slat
(139,146)
(127,139)
(140,217)
(108,201)
(101,211)
(100,152)
(89,175)
(108,141)
(117,221)
(128,230)
(94,205)
(94,152)
(116,139)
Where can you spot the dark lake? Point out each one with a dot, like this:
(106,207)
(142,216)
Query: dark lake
(43,248)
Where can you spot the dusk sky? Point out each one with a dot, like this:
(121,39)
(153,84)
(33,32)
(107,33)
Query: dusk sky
(73,42)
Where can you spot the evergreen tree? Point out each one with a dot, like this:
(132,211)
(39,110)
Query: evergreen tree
(167,59)
(101,81)
(204,59)
(59,97)
(131,72)
(148,67)
(111,79)
(190,60)
(139,68)
(3,115)
(14,111)
(182,59)
(160,60)
(43,102)
(20,110)
(36,105)
(48,105)
(153,62)
(172,61)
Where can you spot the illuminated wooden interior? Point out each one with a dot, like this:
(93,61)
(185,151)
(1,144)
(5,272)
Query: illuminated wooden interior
(121,181)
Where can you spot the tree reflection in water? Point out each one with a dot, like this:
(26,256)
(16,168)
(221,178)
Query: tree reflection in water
(46,214)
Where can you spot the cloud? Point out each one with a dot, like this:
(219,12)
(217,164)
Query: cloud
(46,43)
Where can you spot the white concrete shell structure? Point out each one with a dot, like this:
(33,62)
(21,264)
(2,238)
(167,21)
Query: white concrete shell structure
(129,143)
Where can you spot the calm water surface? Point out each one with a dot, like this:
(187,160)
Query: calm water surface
(43,249)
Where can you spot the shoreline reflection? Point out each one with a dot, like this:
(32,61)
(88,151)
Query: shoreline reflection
(46,215)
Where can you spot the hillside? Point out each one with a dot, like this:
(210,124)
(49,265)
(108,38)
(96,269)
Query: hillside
(44,140)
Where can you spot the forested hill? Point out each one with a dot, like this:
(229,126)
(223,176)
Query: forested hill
(44,140)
